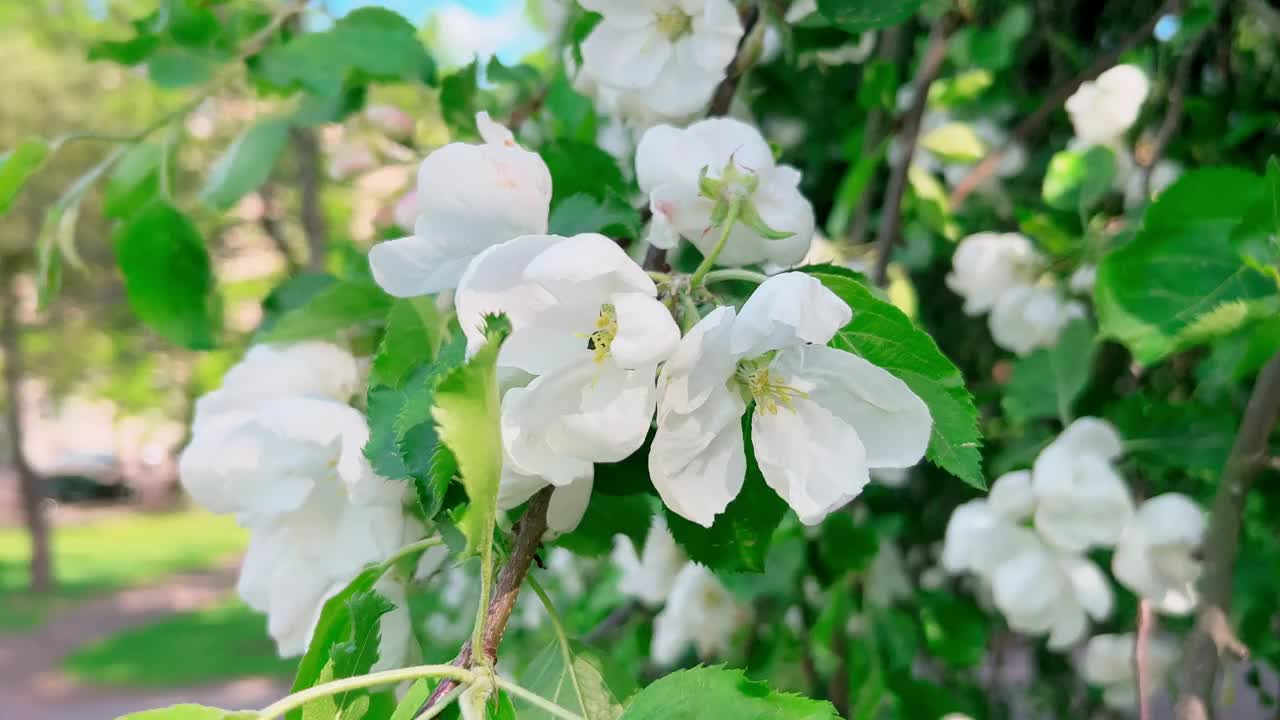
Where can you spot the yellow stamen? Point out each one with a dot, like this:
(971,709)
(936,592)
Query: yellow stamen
(767,388)
(606,330)
(674,23)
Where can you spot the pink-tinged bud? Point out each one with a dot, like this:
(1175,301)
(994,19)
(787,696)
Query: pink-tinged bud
(405,212)
(350,159)
(396,123)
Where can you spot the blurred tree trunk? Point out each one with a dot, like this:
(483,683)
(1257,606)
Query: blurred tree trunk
(311,178)
(30,486)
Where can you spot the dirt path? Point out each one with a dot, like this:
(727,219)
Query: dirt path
(35,688)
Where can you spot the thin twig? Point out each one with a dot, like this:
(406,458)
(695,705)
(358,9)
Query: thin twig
(890,47)
(742,61)
(1035,122)
(611,623)
(1173,110)
(529,531)
(1212,634)
(891,212)
(1142,657)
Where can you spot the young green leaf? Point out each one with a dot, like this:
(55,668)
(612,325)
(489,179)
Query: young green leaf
(412,337)
(467,413)
(582,213)
(340,306)
(134,180)
(548,677)
(17,166)
(724,693)
(858,16)
(246,164)
(189,712)
(1078,179)
(1046,382)
(168,276)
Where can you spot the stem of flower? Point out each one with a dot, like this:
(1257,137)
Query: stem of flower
(710,260)
(537,700)
(412,548)
(486,589)
(734,274)
(565,652)
(303,697)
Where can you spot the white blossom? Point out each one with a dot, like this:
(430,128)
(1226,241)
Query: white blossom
(1081,501)
(650,575)
(669,165)
(589,332)
(1155,556)
(1042,590)
(699,612)
(1109,664)
(469,197)
(310,369)
(822,416)
(987,265)
(670,54)
(984,533)
(1103,110)
(886,580)
(1029,317)
(1083,279)
(1164,174)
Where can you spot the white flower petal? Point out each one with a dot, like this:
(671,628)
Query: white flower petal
(494,283)
(590,260)
(811,458)
(891,421)
(1011,495)
(986,265)
(670,156)
(647,334)
(626,57)
(701,364)
(697,461)
(788,309)
(412,266)
(568,505)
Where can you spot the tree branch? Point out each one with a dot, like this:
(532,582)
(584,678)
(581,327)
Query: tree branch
(891,212)
(742,61)
(890,47)
(1035,122)
(311,176)
(528,531)
(1212,634)
(1142,657)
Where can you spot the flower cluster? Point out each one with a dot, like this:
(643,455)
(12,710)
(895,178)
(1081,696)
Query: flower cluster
(580,372)
(279,447)
(696,609)
(1027,540)
(1000,274)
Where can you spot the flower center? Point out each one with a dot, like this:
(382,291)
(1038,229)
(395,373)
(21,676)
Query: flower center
(606,330)
(674,23)
(769,389)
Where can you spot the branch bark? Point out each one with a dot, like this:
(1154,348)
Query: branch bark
(742,60)
(1142,657)
(877,127)
(270,224)
(311,178)
(528,531)
(1212,635)
(30,486)
(1035,122)
(891,212)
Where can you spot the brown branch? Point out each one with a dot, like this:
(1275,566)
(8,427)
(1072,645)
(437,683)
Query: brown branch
(1036,121)
(1142,657)
(891,212)
(270,225)
(742,61)
(873,134)
(612,622)
(311,178)
(529,531)
(1212,634)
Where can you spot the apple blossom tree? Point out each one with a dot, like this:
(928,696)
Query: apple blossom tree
(778,359)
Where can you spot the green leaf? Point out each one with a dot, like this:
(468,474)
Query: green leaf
(57,234)
(177,67)
(17,166)
(582,213)
(168,276)
(188,23)
(858,16)
(369,42)
(343,305)
(549,677)
(1162,435)
(333,627)
(1078,179)
(1180,281)
(573,116)
(955,142)
(955,630)
(721,692)
(851,187)
(359,652)
(246,164)
(134,180)
(845,545)
(1046,382)
(739,538)
(881,334)
(459,99)
(579,168)
(125,52)
(189,712)
(467,412)
(412,337)
(606,517)
(413,699)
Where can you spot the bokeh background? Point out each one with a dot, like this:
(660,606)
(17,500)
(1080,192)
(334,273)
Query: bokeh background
(141,608)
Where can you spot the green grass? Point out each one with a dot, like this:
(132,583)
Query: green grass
(111,554)
(195,648)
